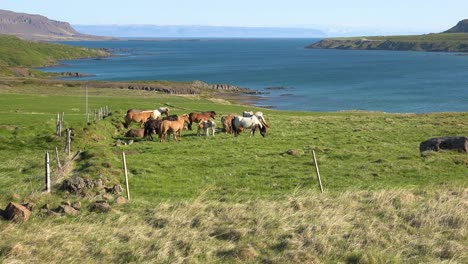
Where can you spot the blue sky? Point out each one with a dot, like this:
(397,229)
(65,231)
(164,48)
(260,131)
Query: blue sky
(396,15)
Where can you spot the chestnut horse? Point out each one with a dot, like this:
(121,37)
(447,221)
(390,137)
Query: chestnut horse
(226,121)
(141,116)
(197,117)
(168,127)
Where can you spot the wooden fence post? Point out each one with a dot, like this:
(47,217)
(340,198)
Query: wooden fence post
(68,142)
(87,112)
(317,170)
(57,126)
(47,172)
(62,120)
(59,166)
(126,174)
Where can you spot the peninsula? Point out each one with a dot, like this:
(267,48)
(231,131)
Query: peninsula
(452,40)
(40,28)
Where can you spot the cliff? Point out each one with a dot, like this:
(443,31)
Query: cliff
(460,27)
(453,40)
(36,27)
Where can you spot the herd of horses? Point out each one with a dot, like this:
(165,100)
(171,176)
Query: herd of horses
(152,123)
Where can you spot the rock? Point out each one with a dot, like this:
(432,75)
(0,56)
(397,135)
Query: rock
(68,210)
(108,197)
(17,212)
(294,152)
(120,200)
(89,183)
(100,207)
(74,185)
(98,183)
(67,203)
(29,205)
(116,189)
(445,143)
(76,205)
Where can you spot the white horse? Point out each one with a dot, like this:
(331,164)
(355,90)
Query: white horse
(161,110)
(239,123)
(259,115)
(206,125)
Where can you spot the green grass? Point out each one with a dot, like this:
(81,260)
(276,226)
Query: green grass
(226,199)
(20,53)
(356,150)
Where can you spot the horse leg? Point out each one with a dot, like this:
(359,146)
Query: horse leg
(190,125)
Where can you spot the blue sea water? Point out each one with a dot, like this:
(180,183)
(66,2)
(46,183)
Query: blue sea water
(316,80)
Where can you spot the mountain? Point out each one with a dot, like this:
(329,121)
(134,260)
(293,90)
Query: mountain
(36,27)
(452,40)
(460,27)
(155,31)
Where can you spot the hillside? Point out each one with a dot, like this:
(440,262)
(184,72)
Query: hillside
(454,40)
(18,56)
(460,27)
(36,27)
(224,199)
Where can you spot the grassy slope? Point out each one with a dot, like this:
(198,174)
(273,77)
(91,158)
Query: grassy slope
(20,53)
(238,199)
(454,42)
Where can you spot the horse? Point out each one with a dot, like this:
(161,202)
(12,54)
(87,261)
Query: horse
(247,113)
(141,116)
(152,127)
(197,117)
(206,125)
(135,133)
(239,123)
(226,122)
(259,115)
(173,127)
(171,118)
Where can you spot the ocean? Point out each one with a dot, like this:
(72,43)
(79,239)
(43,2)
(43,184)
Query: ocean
(290,76)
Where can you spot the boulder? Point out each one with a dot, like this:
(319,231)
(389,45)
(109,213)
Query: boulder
(17,212)
(445,143)
(29,205)
(66,209)
(76,205)
(74,185)
(100,207)
(120,200)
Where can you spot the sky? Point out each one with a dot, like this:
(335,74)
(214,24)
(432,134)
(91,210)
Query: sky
(396,15)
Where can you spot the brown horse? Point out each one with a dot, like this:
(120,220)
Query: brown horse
(141,116)
(197,117)
(152,127)
(226,121)
(139,132)
(174,127)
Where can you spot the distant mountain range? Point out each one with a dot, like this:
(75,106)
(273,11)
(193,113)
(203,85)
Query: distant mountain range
(36,27)
(154,31)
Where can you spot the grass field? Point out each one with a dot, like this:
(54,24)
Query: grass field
(226,199)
